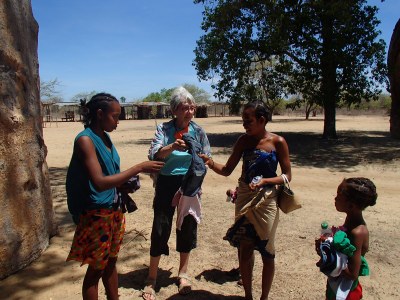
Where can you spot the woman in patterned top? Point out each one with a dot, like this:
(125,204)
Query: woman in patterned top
(168,146)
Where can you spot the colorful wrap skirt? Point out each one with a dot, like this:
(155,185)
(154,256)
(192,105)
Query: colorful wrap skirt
(98,237)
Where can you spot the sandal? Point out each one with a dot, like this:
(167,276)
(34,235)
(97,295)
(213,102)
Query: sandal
(148,292)
(184,286)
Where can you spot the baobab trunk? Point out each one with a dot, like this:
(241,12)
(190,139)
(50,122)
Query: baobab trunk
(394,78)
(26,218)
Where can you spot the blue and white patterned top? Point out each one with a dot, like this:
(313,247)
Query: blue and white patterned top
(178,162)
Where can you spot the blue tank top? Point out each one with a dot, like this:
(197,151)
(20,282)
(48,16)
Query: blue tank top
(178,162)
(258,162)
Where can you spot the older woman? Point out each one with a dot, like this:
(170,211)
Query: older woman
(169,145)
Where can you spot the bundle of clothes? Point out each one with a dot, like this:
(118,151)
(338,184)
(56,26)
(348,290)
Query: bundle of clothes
(334,253)
(124,200)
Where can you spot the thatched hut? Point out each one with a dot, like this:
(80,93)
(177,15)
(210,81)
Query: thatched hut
(150,110)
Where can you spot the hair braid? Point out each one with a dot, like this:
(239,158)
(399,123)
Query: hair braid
(361,191)
(89,109)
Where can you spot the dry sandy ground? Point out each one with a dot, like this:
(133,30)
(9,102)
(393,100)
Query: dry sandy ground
(363,149)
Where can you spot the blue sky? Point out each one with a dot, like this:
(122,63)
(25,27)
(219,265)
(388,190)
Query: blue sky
(130,48)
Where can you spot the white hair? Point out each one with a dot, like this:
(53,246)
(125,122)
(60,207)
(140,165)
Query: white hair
(180,95)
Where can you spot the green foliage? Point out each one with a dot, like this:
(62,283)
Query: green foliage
(301,103)
(327,51)
(164,95)
(123,99)
(384,102)
(153,97)
(199,94)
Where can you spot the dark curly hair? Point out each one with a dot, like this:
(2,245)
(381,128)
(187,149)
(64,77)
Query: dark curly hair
(260,110)
(89,110)
(360,191)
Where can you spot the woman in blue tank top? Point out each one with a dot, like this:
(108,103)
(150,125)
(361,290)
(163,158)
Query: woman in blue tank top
(92,181)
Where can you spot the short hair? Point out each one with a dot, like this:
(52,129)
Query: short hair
(260,110)
(180,95)
(89,109)
(360,191)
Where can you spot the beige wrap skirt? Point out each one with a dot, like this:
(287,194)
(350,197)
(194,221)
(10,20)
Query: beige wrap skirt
(260,209)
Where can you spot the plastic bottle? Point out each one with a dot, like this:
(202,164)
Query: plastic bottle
(256,179)
(326,231)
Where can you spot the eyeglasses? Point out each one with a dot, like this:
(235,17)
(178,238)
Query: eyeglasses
(188,107)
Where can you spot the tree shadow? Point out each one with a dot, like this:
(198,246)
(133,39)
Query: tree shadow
(230,121)
(219,276)
(136,279)
(146,142)
(203,295)
(30,281)
(274,120)
(295,119)
(226,140)
(351,149)
(57,182)
(309,149)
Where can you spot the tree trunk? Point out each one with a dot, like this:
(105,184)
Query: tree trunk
(308,110)
(27,218)
(329,119)
(328,83)
(394,78)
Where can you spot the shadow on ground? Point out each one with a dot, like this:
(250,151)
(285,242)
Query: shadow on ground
(309,149)
(219,276)
(136,278)
(203,295)
(57,183)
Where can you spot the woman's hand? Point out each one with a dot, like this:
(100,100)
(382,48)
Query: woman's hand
(168,149)
(179,145)
(252,186)
(151,166)
(207,160)
(259,185)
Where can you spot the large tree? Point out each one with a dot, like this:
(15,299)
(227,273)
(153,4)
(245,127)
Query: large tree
(27,217)
(199,94)
(327,44)
(394,76)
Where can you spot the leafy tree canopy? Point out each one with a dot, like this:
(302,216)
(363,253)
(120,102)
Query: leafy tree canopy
(164,95)
(200,95)
(322,49)
(153,97)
